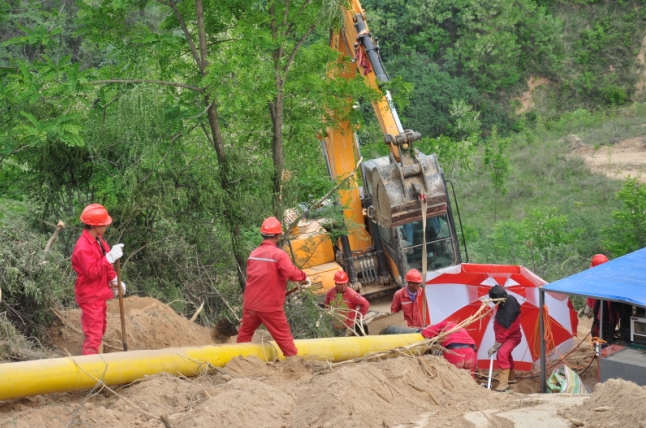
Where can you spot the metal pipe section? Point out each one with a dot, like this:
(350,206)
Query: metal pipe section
(347,259)
(371,49)
(56,375)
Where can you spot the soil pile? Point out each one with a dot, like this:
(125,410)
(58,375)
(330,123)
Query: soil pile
(294,393)
(614,403)
(150,324)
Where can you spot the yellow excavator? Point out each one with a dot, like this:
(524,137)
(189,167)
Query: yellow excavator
(399,214)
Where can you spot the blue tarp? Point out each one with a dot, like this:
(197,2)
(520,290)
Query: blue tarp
(622,280)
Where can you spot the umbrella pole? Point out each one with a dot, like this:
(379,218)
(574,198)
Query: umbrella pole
(490,372)
(541,324)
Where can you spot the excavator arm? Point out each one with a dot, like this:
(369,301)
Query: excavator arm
(385,216)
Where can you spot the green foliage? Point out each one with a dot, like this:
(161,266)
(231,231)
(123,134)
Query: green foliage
(496,161)
(306,317)
(628,233)
(457,151)
(539,241)
(14,346)
(31,280)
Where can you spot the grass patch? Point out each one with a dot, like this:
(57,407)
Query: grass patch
(545,176)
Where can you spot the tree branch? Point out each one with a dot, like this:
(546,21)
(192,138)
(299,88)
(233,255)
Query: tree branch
(327,195)
(199,12)
(157,82)
(187,34)
(290,60)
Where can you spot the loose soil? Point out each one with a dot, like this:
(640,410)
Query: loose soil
(626,158)
(399,392)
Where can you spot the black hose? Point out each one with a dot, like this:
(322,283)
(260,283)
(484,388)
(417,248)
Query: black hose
(395,329)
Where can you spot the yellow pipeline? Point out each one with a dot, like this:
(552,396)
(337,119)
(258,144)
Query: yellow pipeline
(27,378)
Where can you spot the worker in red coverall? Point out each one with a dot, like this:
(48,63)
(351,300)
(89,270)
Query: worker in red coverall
(356,304)
(461,345)
(506,327)
(410,300)
(268,270)
(96,281)
(615,314)
(597,260)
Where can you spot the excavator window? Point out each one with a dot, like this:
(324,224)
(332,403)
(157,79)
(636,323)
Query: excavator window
(439,250)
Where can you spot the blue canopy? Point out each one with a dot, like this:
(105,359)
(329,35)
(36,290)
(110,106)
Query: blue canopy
(621,280)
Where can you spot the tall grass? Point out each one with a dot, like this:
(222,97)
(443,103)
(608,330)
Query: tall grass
(546,175)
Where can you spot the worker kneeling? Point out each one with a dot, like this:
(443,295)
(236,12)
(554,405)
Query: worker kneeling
(352,307)
(460,348)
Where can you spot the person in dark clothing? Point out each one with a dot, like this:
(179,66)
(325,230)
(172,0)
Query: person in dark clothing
(506,326)
(616,316)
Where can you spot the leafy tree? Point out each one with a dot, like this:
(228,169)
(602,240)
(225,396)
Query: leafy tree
(457,151)
(628,233)
(496,161)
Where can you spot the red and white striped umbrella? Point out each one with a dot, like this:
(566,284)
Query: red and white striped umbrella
(456,292)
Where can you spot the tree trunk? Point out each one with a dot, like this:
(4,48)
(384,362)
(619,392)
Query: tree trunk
(276,110)
(231,211)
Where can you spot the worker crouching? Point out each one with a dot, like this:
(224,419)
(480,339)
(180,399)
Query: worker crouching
(460,346)
(506,327)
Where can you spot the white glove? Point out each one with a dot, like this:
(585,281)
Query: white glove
(306,283)
(115,253)
(115,290)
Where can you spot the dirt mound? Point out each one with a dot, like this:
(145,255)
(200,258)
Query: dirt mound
(614,403)
(294,393)
(626,158)
(150,324)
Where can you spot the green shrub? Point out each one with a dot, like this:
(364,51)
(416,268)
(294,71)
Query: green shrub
(31,280)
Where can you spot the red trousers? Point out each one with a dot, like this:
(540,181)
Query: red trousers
(466,358)
(94,322)
(505,360)
(276,323)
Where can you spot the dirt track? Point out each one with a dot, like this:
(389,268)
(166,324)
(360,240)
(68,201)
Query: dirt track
(626,158)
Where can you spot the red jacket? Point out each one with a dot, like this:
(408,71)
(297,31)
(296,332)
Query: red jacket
(93,271)
(511,333)
(413,310)
(353,300)
(268,270)
(459,336)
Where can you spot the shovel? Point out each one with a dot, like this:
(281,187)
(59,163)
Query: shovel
(117,265)
(490,371)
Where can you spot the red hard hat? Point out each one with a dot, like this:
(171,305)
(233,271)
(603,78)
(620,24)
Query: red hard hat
(413,275)
(271,226)
(96,215)
(341,277)
(598,259)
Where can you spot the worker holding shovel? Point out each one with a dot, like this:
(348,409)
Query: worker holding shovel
(268,270)
(96,280)
(506,327)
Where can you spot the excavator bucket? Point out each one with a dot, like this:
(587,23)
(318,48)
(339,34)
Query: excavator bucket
(396,188)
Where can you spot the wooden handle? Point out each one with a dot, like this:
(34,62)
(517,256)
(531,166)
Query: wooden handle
(117,266)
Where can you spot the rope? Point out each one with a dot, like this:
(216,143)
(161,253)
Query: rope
(423,202)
